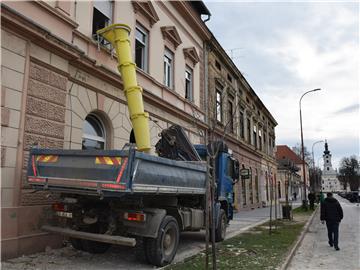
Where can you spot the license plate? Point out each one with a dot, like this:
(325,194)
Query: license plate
(64,214)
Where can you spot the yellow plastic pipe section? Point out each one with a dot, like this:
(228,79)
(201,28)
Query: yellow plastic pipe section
(118,36)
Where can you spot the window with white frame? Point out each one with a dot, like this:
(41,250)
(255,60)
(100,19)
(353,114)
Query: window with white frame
(102,16)
(218,106)
(168,68)
(189,84)
(260,140)
(141,47)
(255,138)
(93,133)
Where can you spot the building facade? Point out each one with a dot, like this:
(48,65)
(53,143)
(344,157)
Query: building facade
(61,89)
(236,114)
(289,181)
(283,152)
(330,181)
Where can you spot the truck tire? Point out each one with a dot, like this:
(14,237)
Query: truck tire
(92,246)
(161,251)
(220,231)
(76,243)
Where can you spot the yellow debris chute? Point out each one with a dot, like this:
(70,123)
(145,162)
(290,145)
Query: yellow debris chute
(118,36)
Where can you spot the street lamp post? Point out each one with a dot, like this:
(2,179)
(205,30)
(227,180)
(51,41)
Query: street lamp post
(304,205)
(312,152)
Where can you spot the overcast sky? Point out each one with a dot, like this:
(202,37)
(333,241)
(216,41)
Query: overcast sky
(287,48)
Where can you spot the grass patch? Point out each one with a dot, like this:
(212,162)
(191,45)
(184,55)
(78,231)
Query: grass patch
(300,210)
(255,249)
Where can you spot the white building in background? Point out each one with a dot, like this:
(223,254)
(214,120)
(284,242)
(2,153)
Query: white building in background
(330,182)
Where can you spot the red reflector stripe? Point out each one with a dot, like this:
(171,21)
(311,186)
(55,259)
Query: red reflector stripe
(114,186)
(33,165)
(115,161)
(75,183)
(40,180)
(121,170)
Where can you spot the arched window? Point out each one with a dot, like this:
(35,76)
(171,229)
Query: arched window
(93,133)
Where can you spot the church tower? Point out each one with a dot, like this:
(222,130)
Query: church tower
(327,160)
(330,182)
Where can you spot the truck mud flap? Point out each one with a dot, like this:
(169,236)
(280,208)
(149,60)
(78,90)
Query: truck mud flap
(104,238)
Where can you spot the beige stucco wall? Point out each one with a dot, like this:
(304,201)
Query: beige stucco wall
(13,55)
(169,16)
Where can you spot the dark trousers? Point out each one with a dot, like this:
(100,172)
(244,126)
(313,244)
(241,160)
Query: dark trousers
(333,232)
(312,204)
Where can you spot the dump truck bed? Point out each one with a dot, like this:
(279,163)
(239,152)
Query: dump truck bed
(113,173)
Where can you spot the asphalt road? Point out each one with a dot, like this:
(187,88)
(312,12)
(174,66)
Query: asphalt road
(314,252)
(123,257)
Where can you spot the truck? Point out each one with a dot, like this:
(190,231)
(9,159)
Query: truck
(130,197)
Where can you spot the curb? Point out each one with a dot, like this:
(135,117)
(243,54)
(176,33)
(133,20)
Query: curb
(298,242)
(236,233)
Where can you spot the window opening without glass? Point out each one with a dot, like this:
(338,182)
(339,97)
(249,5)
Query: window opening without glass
(102,16)
(230,115)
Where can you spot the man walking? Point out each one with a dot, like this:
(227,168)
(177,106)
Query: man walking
(332,213)
(311,197)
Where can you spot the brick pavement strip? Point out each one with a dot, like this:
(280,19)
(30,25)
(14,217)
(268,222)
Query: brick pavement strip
(314,252)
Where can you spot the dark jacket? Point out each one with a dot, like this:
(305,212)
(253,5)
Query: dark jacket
(331,210)
(311,197)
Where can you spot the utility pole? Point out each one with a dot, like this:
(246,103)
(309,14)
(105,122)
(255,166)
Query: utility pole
(304,203)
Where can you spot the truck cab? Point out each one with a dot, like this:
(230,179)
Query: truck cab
(226,173)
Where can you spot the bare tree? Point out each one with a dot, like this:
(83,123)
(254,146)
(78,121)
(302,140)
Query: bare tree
(349,172)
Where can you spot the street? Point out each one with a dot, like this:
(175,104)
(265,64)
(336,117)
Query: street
(315,253)
(123,257)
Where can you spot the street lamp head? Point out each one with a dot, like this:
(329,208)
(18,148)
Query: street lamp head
(317,89)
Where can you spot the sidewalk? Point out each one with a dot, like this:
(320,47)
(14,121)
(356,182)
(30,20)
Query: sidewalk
(315,253)
(123,257)
(191,243)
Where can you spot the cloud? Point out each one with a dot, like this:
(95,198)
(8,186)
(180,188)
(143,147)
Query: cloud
(290,48)
(349,109)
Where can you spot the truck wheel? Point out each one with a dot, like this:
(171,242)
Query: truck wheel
(161,251)
(76,243)
(94,246)
(220,231)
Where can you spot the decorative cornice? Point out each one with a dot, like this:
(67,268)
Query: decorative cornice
(192,55)
(170,33)
(147,9)
(56,13)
